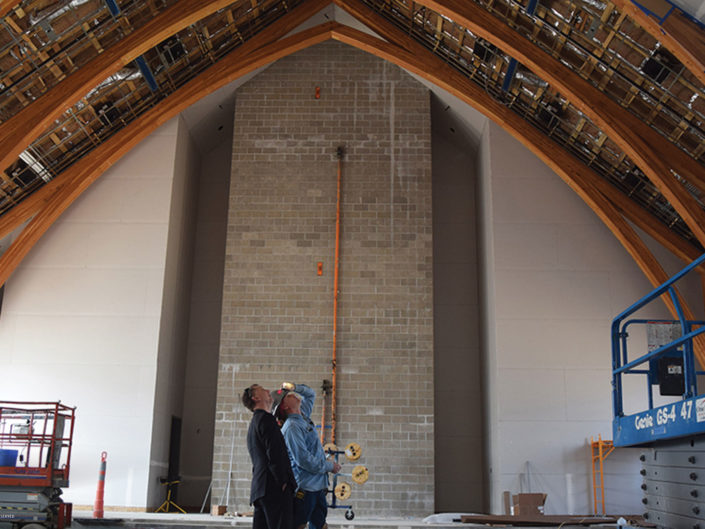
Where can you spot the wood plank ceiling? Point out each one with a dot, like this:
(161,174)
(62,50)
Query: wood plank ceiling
(611,96)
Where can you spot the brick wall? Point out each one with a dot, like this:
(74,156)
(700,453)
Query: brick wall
(277,312)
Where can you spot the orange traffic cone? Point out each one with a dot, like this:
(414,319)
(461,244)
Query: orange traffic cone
(98,506)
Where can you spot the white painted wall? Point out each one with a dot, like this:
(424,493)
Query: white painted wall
(554,277)
(458,404)
(81,319)
(176,304)
(204,328)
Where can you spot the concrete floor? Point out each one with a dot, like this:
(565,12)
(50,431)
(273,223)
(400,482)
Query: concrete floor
(336,520)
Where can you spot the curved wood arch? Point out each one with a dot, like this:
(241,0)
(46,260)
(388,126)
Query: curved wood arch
(35,202)
(18,132)
(21,129)
(681,36)
(647,148)
(253,55)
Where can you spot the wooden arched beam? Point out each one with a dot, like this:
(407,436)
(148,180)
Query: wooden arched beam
(646,222)
(38,200)
(20,130)
(96,70)
(249,57)
(646,147)
(674,29)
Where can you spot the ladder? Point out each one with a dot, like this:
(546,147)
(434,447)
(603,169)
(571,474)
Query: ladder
(599,450)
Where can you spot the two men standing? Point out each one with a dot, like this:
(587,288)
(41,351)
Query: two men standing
(275,453)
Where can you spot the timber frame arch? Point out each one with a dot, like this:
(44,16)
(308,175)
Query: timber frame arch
(656,158)
(46,205)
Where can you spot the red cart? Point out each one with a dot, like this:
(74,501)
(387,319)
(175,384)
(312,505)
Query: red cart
(35,458)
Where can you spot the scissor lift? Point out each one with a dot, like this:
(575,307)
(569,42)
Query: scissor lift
(672,434)
(35,458)
(672,420)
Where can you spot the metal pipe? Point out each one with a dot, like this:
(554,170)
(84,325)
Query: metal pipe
(336,289)
(323,419)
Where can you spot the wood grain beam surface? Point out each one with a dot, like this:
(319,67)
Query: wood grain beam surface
(6,6)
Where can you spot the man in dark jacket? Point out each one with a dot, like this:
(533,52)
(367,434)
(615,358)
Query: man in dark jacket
(273,482)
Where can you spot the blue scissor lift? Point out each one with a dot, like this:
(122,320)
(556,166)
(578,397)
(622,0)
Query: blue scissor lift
(677,419)
(673,434)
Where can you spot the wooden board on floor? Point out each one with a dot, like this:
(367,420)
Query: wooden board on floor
(538,520)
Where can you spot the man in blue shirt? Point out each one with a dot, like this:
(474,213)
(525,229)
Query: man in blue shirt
(293,404)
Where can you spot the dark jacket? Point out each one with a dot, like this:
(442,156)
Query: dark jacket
(270,461)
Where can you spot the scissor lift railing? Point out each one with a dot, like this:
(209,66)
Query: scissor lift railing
(38,437)
(684,417)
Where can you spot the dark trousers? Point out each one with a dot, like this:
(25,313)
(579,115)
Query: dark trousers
(311,508)
(274,511)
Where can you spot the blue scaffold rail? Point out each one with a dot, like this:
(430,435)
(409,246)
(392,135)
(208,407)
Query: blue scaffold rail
(685,415)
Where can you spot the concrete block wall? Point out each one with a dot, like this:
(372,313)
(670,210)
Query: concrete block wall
(277,312)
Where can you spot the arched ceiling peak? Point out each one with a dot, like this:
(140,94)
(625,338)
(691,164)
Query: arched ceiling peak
(82,174)
(48,202)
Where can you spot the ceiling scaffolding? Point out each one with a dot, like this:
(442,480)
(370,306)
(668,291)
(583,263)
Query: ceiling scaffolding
(45,46)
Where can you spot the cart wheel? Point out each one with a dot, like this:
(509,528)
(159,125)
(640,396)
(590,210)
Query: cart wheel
(34,526)
(349,514)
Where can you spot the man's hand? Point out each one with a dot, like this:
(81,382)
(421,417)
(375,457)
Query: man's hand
(336,468)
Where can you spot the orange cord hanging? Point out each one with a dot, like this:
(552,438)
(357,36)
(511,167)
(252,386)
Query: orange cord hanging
(335,298)
(334,361)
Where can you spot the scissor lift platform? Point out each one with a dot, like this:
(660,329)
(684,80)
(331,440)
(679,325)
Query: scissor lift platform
(686,415)
(673,434)
(35,459)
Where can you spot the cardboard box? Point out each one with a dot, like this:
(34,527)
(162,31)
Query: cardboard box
(218,510)
(528,503)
